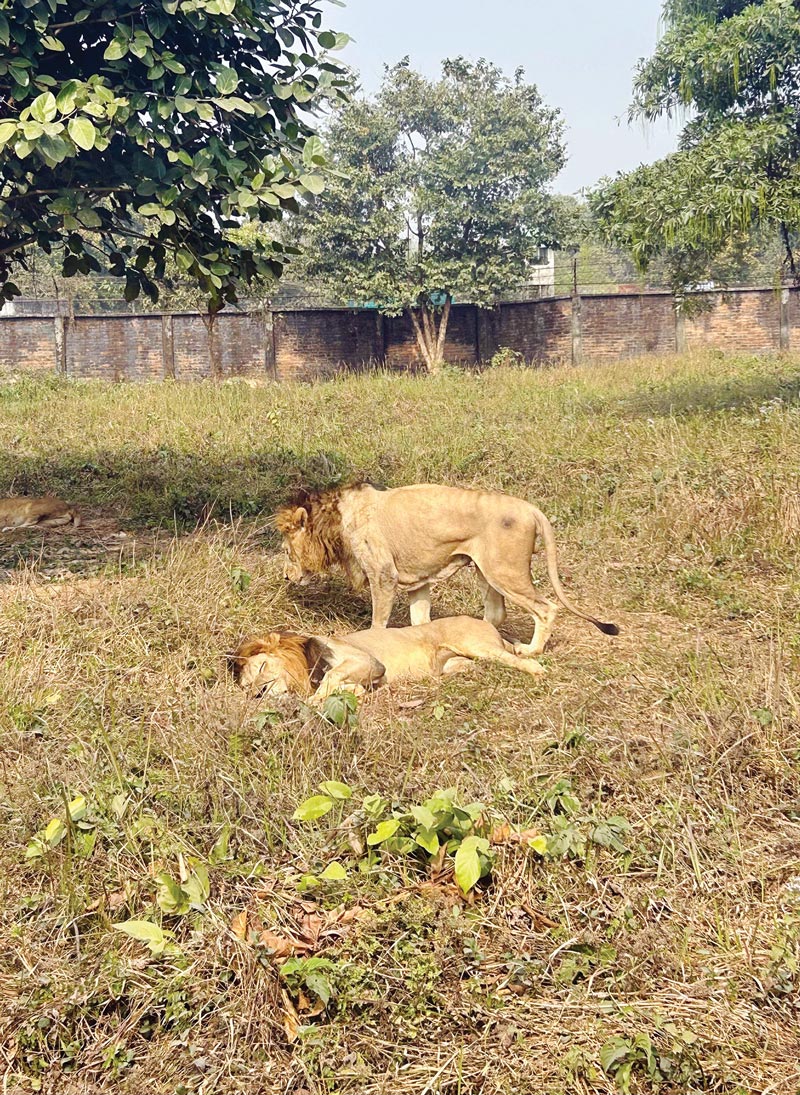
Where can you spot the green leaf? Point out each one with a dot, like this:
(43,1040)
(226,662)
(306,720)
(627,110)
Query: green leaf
(116,49)
(226,81)
(327,39)
(8,131)
(539,844)
(373,806)
(43,107)
(197,886)
(4,30)
(423,816)
(78,808)
(335,789)
(468,867)
(144,932)
(313,808)
(319,985)
(221,848)
(427,839)
(65,100)
(334,872)
(313,152)
(384,831)
(53,149)
(83,133)
(169,896)
(149,209)
(184,105)
(52,43)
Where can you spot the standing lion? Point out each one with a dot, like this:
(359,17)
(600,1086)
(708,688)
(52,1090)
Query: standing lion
(410,537)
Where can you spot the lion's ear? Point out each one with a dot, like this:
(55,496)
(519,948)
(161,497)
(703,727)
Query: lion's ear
(272,642)
(300,517)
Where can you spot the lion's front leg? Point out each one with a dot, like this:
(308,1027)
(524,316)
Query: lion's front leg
(420,606)
(383,587)
(356,672)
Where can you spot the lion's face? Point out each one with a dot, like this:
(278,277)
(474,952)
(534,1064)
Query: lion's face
(264,674)
(273,665)
(301,560)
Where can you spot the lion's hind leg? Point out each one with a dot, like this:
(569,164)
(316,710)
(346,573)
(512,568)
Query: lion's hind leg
(492,647)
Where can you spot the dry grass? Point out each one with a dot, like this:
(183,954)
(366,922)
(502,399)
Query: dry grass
(674,485)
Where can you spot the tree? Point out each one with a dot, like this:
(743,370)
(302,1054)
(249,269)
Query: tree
(736,65)
(439,190)
(137,134)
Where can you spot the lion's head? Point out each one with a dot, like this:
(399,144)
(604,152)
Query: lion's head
(276,664)
(311,527)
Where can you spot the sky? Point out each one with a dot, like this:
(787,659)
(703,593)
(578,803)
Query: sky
(581,54)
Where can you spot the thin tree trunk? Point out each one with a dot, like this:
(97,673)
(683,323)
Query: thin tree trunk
(440,341)
(427,326)
(423,346)
(787,243)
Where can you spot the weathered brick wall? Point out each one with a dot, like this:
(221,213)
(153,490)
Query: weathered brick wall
(746,320)
(322,341)
(307,343)
(540,330)
(114,347)
(245,343)
(619,326)
(27,343)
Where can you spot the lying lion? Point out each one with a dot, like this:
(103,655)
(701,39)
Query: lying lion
(39,512)
(410,537)
(316,666)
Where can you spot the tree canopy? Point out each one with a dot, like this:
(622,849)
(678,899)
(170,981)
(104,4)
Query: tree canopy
(136,135)
(734,67)
(440,190)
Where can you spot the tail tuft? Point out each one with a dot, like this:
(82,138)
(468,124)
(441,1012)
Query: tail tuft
(607,629)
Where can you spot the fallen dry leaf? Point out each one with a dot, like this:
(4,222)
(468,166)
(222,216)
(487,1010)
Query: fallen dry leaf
(411,705)
(291,1020)
(281,947)
(239,925)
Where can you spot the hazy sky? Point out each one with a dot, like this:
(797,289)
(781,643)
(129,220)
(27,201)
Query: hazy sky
(580,53)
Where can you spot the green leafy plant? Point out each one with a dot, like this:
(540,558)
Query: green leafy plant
(240,579)
(178,898)
(312,974)
(144,931)
(429,832)
(341,709)
(620,1057)
(76,821)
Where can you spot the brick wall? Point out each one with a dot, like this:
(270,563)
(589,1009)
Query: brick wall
(27,343)
(114,347)
(540,330)
(746,320)
(615,327)
(323,341)
(300,344)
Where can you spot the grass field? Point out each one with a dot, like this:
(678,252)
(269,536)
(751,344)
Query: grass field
(653,941)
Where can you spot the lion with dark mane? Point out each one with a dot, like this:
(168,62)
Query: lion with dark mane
(315,666)
(409,538)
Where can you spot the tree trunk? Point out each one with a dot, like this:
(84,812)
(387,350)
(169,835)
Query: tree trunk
(787,245)
(431,337)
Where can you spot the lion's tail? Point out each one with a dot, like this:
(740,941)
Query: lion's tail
(549,540)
